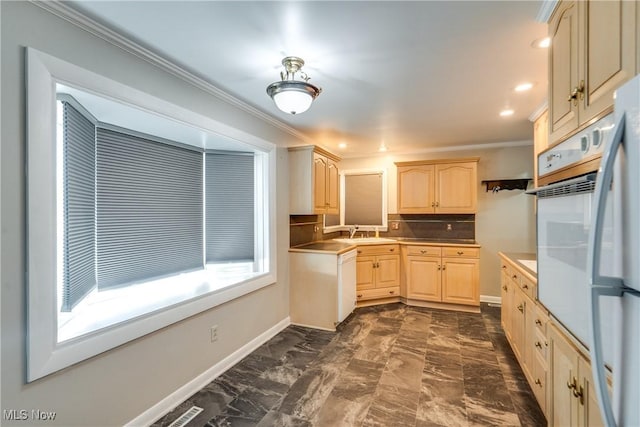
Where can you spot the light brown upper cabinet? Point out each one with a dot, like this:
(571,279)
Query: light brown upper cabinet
(540,140)
(593,51)
(314,181)
(438,186)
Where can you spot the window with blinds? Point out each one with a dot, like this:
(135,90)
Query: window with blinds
(230,200)
(138,208)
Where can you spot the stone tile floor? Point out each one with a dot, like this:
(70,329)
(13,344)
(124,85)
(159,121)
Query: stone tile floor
(387,365)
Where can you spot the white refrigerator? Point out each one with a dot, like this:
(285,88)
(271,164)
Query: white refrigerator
(617,196)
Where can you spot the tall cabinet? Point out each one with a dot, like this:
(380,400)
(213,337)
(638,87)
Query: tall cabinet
(314,181)
(593,51)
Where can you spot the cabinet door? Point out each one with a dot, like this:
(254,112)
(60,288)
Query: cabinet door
(589,408)
(506,306)
(416,185)
(333,188)
(387,271)
(563,370)
(608,29)
(529,340)
(424,278)
(319,183)
(456,190)
(540,141)
(460,281)
(563,70)
(518,322)
(365,272)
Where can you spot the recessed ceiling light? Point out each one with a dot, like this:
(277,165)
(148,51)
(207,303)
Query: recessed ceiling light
(523,87)
(342,145)
(382,148)
(507,112)
(542,43)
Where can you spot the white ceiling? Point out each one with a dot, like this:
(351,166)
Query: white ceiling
(415,75)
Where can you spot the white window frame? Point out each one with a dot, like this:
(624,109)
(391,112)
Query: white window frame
(345,227)
(45,354)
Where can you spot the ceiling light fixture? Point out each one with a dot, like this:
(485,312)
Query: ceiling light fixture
(542,43)
(507,112)
(523,87)
(290,95)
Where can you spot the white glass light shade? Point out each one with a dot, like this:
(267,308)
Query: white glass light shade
(293,97)
(292,101)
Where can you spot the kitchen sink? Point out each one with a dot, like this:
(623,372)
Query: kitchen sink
(363,240)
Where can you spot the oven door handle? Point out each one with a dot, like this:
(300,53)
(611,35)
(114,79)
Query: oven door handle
(601,192)
(602,285)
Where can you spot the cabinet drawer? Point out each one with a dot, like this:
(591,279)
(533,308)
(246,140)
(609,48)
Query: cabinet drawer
(424,251)
(539,382)
(540,344)
(365,250)
(378,293)
(460,252)
(541,320)
(528,287)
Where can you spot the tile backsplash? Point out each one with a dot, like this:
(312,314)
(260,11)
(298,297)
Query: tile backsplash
(308,228)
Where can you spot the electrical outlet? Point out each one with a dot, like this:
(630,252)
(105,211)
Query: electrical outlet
(214,333)
(395,225)
(449,227)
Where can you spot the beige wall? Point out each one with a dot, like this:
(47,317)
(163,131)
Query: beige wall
(505,220)
(118,385)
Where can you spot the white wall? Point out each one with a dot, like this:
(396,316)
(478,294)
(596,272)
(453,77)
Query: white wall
(116,386)
(505,220)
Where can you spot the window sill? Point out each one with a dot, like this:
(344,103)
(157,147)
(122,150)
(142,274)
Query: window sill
(100,310)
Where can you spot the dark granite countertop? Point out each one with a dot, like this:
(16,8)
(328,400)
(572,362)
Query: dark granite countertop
(332,246)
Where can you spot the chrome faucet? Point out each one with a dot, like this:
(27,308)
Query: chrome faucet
(352,231)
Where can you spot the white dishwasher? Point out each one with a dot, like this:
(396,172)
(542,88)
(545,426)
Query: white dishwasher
(346,284)
(322,284)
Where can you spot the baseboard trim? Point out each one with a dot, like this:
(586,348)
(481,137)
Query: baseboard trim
(170,402)
(491,299)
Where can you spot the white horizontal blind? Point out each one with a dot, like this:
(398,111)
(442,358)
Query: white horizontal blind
(149,209)
(229,186)
(79,272)
(363,199)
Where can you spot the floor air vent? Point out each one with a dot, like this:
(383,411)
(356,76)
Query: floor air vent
(186,417)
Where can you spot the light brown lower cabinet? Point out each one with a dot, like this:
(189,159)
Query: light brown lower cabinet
(572,396)
(557,370)
(442,274)
(378,272)
(525,325)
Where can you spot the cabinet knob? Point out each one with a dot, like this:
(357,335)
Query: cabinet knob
(359,252)
(525,286)
(521,308)
(538,322)
(359,295)
(392,292)
(423,251)
(538,344)
(433,204)
(460,253)
(392,249)
(504,266)
(514,277)
(504,287)
(437,204)
(579,393)
(537,381)
(444,267)
(439,267)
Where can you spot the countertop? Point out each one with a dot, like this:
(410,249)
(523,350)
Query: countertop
(333,247)
(527,256)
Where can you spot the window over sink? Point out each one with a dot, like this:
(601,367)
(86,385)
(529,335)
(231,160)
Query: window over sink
(363,201)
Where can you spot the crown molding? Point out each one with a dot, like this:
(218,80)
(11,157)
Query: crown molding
(538,111)
(85,23)
(546,10)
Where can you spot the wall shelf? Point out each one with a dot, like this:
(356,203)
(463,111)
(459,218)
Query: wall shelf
(496,185)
